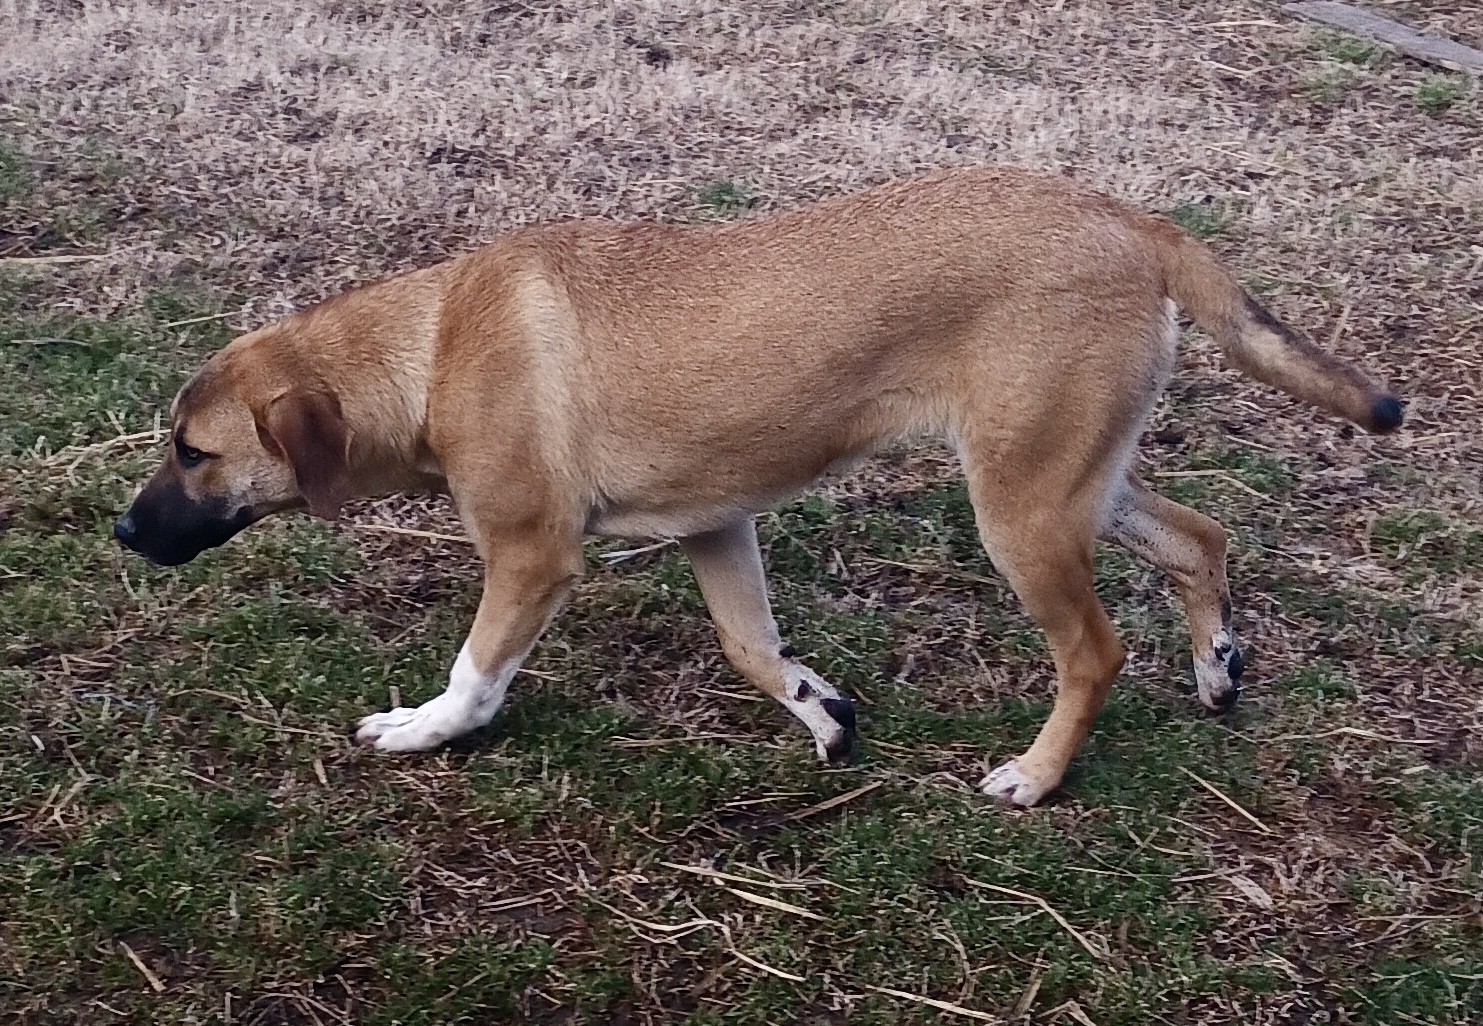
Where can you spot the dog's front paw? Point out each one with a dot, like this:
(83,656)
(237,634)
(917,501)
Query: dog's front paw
(406,729)
(1012,785)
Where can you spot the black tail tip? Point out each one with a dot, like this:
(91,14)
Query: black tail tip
(1386,415)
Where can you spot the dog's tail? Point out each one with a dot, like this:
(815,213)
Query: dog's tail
(1258,343)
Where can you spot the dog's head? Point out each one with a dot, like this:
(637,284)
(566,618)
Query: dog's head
(247,438)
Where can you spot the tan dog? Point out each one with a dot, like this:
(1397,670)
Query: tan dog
(654,380)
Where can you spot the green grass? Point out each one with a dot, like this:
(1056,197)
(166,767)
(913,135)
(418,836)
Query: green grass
(175,782)
(1259,471)
(1425,542)
(1347,49)
(725,199)
(1328,84)
(103,373)
(16,179)
(1343,63)
(1437,94)
(1207,220)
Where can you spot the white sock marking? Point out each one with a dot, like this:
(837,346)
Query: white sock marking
(803,696)
(1213,673)
(470,701)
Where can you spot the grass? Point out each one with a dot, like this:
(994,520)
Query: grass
(1346,49)
(1438,93)
(1343,63)
(178,803)
(1428,543)
(1208,220)
(1328,84)
(725,199)
(15,174)
(179,788)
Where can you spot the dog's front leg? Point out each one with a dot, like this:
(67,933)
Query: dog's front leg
(728,567)
(526,577)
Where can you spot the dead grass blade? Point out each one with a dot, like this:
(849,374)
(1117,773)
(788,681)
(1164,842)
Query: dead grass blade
(1072,1009)
(1028,995)
(773,903)
(155,983)
(1224,475)
(661,742)
(72,455)
(764,967)
(521,901)
(283,727)
(200,320)
(941,1006)
(831,803)
(1034,899)
(670,931)
(412,532)
(716,874)
(622,554)
(1368,735)
(1207,785)
(465,985)
(1252,892)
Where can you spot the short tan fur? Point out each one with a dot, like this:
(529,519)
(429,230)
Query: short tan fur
(643,379)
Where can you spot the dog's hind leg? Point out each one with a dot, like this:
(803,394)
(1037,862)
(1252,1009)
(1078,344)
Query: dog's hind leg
(527,576)
(1041,539)
(728,567)
(1191,549)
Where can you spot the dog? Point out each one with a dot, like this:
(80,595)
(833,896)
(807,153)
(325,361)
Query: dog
(652,380)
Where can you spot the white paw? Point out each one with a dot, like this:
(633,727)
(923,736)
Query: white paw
(471,701)
(1010,784)
(416,729)
(828,715)
(1218,677)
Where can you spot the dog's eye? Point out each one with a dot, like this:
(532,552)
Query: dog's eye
(189,455)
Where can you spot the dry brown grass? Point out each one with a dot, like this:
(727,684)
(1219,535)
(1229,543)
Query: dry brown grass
(294,150)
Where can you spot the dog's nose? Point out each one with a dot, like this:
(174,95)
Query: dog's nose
(125,530)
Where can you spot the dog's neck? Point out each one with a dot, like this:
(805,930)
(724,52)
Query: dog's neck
(378,358)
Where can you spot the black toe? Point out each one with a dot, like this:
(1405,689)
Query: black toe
(1227,701)
(1235,667)
(841,711)
(842,750)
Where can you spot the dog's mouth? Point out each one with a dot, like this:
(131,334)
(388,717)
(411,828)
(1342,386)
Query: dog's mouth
(182,534)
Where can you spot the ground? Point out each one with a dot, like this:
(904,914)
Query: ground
(185,833)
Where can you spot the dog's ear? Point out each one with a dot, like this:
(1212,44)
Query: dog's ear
(307,430)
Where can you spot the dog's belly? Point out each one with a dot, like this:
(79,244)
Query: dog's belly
(688,505)
(677,513)
(675,523)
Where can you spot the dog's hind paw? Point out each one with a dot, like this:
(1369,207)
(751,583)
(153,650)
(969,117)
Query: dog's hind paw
(1012,785)
(828,714)
(1218,676)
